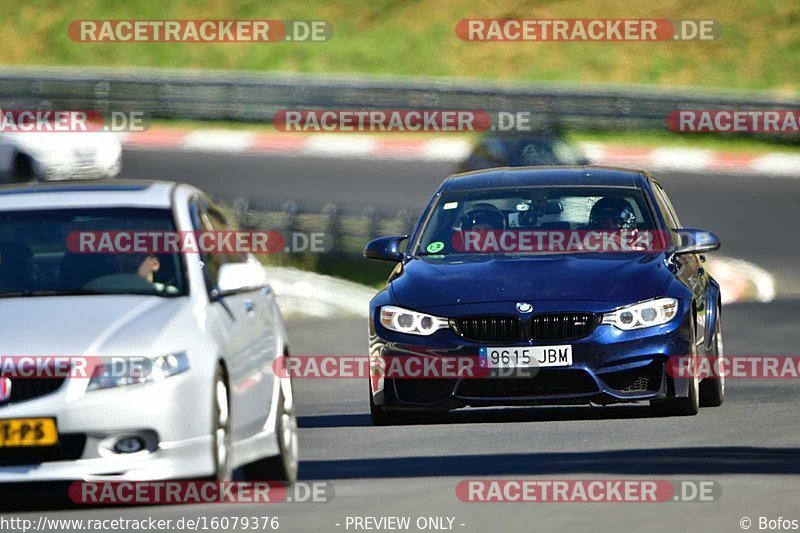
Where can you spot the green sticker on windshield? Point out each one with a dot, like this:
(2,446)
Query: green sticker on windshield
(435,247)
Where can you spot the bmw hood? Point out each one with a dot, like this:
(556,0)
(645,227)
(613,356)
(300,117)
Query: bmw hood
(613,278)
(102,325)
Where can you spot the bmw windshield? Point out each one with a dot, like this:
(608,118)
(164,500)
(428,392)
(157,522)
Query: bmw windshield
(535,220)
(36,259)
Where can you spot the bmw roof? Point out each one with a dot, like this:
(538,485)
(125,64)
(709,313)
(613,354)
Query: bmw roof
(531,176)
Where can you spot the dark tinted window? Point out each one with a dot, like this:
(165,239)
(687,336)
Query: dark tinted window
(525,208)
(36,258)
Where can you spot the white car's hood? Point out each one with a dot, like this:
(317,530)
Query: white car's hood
(103,325)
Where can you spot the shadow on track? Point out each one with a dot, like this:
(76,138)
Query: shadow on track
(493,415)
(648,462)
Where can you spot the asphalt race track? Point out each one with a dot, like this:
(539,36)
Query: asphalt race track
(750,445)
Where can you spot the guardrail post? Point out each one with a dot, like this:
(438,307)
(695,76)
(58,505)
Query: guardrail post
(241,210)
(333,225)
(405,222)
(290,211)
(372,222)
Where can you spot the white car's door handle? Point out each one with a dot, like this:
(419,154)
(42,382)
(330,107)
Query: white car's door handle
(249,305)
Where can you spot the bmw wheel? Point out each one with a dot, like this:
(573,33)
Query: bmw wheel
(712,390)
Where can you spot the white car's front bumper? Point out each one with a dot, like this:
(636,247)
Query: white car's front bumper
(174,415)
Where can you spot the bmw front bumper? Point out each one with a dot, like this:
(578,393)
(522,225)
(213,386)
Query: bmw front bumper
(609,365)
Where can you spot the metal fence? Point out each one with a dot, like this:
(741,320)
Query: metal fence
(347,233)
(256,97)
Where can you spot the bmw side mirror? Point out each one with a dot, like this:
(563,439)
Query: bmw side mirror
(696,241)
(385,248)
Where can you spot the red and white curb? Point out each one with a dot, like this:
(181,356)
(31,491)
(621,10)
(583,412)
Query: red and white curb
(449,149)
(741,281)
(289,144)
(694,160)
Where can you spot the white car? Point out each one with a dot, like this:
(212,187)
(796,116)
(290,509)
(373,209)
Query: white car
(59,155)
(208,325)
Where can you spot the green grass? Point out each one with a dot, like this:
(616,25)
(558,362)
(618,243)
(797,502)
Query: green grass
(759,47)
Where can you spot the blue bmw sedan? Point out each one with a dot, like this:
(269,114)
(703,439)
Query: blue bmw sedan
(565,285)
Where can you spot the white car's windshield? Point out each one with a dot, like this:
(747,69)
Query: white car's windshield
(36,259)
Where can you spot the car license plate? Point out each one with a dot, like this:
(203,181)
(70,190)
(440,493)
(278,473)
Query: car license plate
(525,356)
(18,432)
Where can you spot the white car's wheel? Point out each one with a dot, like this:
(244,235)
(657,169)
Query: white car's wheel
(281,467)
(221,431)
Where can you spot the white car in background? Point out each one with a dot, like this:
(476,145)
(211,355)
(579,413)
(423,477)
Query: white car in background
(59,155)
(208,323)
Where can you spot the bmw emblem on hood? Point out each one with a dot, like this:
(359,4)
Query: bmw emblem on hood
(524,307)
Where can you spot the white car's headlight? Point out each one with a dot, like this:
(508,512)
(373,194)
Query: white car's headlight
(405,321)
(643,315)
(132,371)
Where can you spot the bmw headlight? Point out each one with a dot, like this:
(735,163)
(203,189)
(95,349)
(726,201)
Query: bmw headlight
(405,321)
(643,314)
(130,371)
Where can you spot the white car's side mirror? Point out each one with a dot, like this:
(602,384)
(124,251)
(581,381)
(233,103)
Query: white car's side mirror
(238,277)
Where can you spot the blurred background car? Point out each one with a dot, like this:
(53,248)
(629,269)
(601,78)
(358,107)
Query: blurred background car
(528,149)
(59,156)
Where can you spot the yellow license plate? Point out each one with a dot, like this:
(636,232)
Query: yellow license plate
(18,432)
